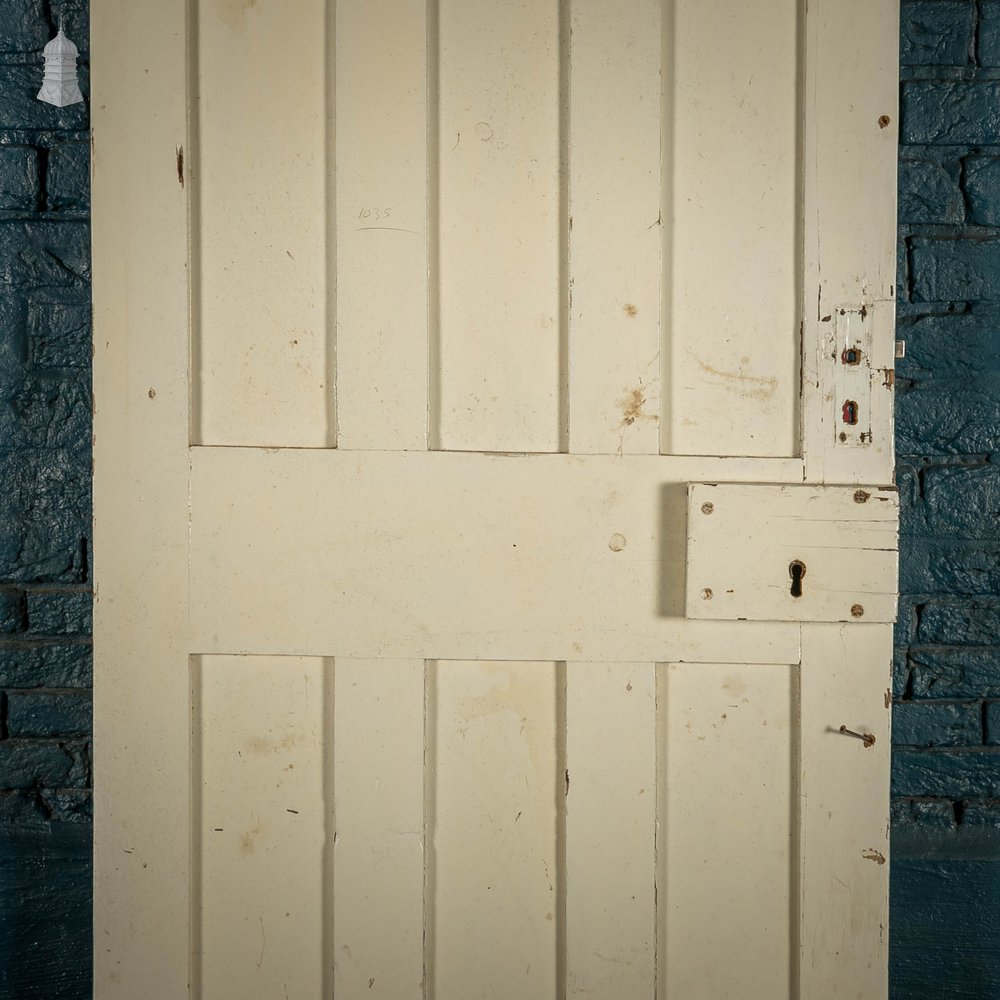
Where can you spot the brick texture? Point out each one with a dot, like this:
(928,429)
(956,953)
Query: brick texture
(946,674)
(45,470)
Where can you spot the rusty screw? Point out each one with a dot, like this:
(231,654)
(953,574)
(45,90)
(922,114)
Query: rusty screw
(706,594)
(707,508)
(857,610)
(867,738)
(861,496)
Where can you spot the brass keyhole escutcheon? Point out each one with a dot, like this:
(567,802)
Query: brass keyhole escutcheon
(796,570)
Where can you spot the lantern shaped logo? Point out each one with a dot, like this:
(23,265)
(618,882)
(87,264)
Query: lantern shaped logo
(59,85)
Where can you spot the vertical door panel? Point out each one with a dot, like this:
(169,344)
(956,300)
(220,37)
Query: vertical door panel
(498,791)
(377,847)
(731,239)
(611,793)
(261,826)
(728,830)
(614,227)
(260,169)
(499,200)
(381,65)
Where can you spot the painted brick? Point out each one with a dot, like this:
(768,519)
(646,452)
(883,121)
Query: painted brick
(25,28)
(45,333)
(39,663)
(13,334)
(905,629)
(44,515)
(982,188)
(974,622)
(67,183)
(936,33)
(13,612)
(902,273)
(950,346)
(958,500)
(19,178)
(900,672)
(59,330)
(20,808)
(908,483)
(953,774)
(40,807)
(939,568)
(958,672)
(44,763)
(47,409)
(20,108)
(948,417)
(985,815)
(27,25)
(68,805)
(936,724)
(948,270)
(989,33)
(952,112)
(45,254)
(991,723)
(932,814)
(963,501)
(930,192)
(41,714)
(60,612)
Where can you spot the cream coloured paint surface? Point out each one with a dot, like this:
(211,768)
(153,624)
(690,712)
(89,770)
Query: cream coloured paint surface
(413,374)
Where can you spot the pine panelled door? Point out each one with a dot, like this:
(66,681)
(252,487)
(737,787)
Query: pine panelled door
(495,558)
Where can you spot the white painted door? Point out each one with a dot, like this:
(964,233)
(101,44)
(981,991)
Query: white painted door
(495,555)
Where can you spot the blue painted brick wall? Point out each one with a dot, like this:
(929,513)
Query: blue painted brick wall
(45,466)
(946,718)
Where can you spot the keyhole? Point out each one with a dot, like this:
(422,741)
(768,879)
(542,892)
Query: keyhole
(850,412)
(796,570)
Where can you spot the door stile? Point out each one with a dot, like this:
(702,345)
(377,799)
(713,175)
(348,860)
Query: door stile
(851,126)
(843,807)
(849,197)
(142,865)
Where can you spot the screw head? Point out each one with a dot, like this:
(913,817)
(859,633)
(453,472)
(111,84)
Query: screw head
(706,594)
(707,508)
(861,496)
(857,610)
